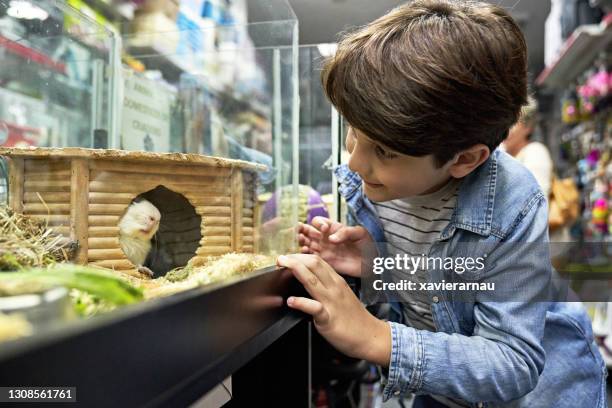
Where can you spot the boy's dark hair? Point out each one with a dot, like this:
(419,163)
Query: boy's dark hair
(432,77)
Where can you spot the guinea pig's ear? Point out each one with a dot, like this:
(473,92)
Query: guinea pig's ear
(137,199)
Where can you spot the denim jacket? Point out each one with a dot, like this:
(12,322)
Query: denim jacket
(492,354)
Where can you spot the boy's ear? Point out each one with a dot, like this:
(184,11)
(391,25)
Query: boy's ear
(468,160)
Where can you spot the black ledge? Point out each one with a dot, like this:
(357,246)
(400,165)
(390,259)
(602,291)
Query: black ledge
(159,353)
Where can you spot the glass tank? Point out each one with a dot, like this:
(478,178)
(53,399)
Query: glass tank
(319,151)
(163,153)
(220,83)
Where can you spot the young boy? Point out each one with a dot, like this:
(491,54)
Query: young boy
(430,90)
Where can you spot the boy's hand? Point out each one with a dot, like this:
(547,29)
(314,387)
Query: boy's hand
(337,313)
(339,245)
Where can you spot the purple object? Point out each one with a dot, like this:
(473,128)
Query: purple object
(593,157)
(314,205)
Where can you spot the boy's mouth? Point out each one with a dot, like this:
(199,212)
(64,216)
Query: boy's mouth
(372,185)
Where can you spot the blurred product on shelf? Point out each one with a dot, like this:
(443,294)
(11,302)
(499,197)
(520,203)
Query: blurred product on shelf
(600,216)
(576,13)
(133,63)
(564,207)
(214,10)
(588,146)
(75,24)
(553,39)
(155,30)
(12,135)
(169,8)
(564,18)
(591,95)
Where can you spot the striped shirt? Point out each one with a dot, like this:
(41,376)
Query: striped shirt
(411,225)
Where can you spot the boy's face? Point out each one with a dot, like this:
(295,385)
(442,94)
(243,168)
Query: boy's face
(388,175)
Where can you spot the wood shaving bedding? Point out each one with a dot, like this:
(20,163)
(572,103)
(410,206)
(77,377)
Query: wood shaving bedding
(201,273)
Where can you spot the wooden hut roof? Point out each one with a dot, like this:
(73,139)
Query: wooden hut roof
(129,156)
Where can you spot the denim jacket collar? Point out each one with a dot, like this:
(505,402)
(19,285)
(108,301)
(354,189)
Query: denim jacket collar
(474,210)
(348,181)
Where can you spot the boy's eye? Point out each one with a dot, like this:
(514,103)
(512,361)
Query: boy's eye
(380,152)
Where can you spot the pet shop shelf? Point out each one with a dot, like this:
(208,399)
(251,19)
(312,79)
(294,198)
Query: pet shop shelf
(113,10)
(32,55)
(578,53)
(60,61)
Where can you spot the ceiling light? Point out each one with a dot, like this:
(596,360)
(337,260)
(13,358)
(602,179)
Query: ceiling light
(25,10)
(327,50)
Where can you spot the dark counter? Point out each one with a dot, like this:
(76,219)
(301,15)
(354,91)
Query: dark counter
(159,353)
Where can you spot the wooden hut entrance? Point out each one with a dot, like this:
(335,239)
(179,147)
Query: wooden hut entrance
(179,234)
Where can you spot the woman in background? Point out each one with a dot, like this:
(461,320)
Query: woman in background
(533,155)
(536,157)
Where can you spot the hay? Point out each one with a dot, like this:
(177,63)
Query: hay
(201,272)
(29,242)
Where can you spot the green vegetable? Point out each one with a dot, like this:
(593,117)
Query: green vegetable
(103,285)
(88,305)
(178,274)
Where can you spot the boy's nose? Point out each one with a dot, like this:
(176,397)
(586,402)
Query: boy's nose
(358,161)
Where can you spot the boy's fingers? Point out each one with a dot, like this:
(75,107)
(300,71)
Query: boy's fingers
(346,234)
(319,220)
(314,246)
(339,236)
(307,245)
(302,273)
(309,250)
(311,232)
(321,223)
(303,240)
(309,306)
(317,266)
